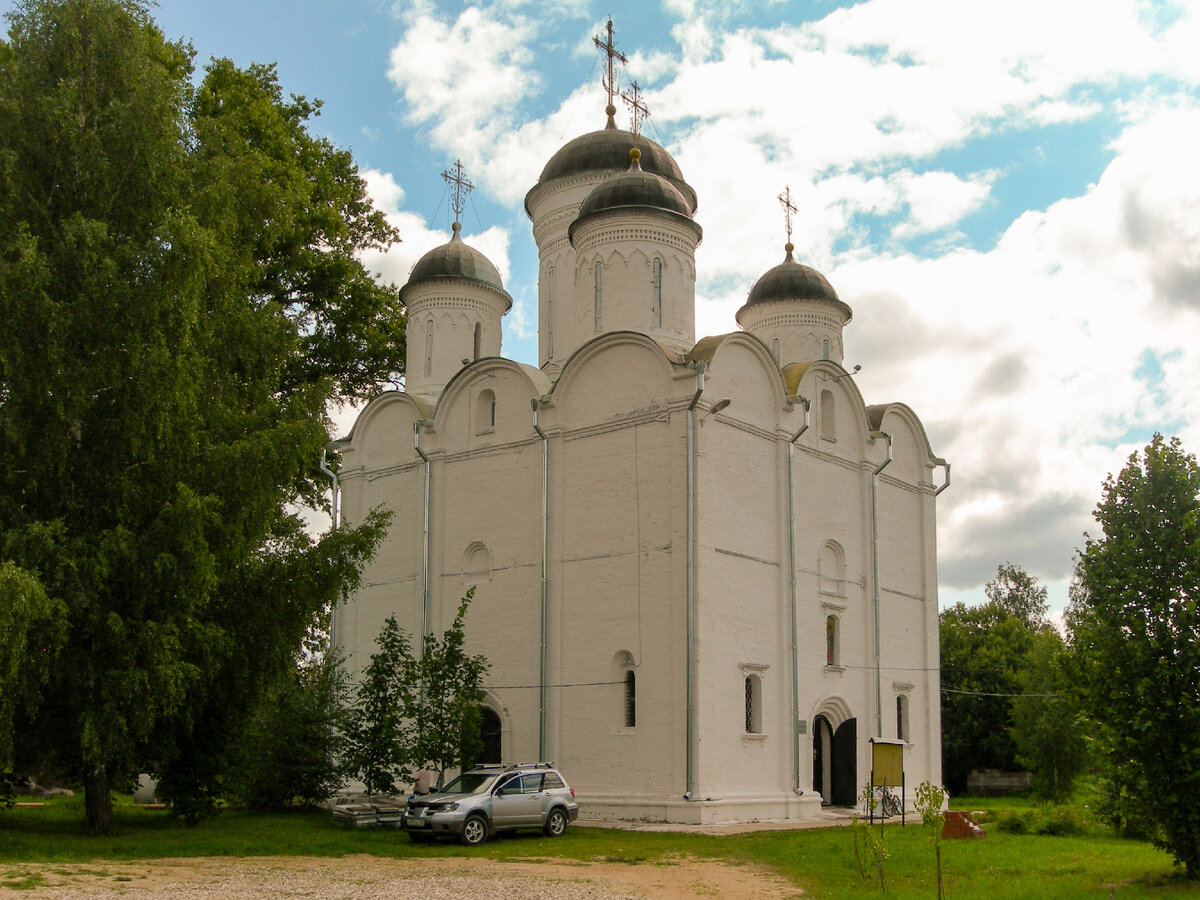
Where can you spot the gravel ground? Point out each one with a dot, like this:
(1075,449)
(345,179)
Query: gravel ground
(252,880)
(367,878)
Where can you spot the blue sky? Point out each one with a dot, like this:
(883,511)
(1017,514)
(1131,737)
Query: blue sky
(1005,193)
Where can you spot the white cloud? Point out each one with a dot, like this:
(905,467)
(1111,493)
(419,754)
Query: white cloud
(1023,360)
(462,80)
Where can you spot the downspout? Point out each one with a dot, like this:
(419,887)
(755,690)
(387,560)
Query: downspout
(323,465)
(543,661)
(417,425)
(795,624)
(691,580)
(946,483)
(875,578)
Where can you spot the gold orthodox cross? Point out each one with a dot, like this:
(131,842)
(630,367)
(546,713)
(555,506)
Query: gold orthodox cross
(638,112)
(785,200)
(610,48)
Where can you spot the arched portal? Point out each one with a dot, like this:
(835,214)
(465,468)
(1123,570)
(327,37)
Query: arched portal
(835,761)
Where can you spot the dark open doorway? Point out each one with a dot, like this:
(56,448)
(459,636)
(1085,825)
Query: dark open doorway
(835,761)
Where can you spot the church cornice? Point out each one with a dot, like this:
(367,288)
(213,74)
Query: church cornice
(449,301)
(593,233)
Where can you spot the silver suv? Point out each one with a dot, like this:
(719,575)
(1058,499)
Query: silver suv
(487,799)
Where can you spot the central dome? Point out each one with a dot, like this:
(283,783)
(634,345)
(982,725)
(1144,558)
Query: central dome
(607,150)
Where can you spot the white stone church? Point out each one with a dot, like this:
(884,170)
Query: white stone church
(706,570)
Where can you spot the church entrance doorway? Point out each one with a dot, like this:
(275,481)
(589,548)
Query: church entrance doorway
(489,731)
(835,761)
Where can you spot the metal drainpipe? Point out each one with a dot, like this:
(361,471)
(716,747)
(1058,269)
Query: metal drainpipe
(323,465)
(875,579)
(946,483)
(417,425)
(792,556)
(691,579)
(543,662)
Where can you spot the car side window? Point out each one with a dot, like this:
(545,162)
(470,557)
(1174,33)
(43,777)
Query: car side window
(552,781)
(531,784)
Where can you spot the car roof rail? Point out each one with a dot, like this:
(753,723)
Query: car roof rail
(509,767)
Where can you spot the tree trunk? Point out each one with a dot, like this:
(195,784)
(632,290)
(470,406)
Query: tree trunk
(97,801)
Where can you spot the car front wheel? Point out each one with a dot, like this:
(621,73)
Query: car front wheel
(556,823)
(475,831)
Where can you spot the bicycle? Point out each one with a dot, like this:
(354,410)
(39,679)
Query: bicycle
(889,803)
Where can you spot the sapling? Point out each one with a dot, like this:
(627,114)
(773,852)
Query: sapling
(931,802)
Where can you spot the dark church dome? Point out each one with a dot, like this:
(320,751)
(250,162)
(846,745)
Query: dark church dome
(455,259)
(791,280)
(634,189)
(608,150)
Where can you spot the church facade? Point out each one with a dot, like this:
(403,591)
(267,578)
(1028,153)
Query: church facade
(706,571)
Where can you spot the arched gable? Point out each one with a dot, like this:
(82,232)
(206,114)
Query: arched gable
(382,433)
(613,375)
(742,369)
(487,402)
(912,457)
(824,380)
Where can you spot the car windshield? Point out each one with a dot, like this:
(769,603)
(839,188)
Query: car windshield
(468,783)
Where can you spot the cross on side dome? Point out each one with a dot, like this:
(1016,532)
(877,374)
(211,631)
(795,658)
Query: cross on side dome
(454,176)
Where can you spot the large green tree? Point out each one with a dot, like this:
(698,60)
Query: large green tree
(983,651)
(1046,731)
(1135,632)
(181,299)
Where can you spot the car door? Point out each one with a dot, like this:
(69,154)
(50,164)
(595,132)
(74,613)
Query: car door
(517,802)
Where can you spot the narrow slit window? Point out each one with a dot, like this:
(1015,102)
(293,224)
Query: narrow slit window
(429,347)
(630,699)
(753,704)
(656,311)
(596,301)
(831,641)
(478,340)
(550,312)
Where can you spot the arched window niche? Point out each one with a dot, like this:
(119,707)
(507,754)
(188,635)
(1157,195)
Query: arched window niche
(752,685)
(828,416)
(477,563)
(485,411)
(831,568)
(624,664)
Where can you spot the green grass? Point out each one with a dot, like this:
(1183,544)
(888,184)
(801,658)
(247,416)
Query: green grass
(821,861)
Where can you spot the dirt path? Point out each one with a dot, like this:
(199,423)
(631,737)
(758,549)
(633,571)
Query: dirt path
(363,877)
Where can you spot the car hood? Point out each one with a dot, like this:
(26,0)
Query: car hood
(440,798)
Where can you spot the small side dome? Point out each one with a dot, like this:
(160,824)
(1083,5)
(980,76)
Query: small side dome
(608,149)
(455,259)
(792,281)
(633,189)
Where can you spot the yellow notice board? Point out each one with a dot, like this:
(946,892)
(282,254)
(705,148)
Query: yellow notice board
(887,762)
